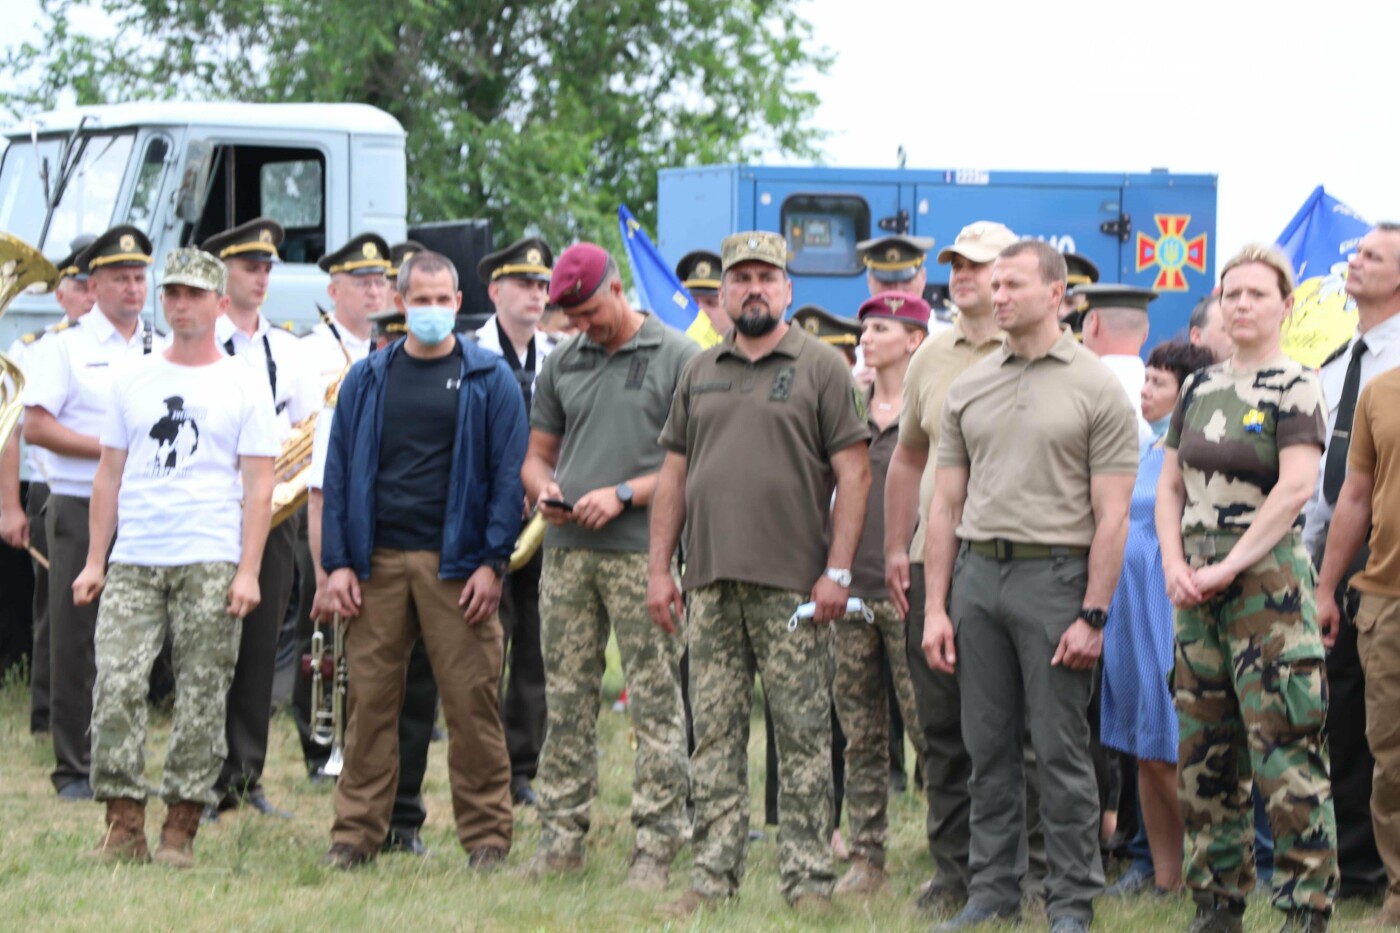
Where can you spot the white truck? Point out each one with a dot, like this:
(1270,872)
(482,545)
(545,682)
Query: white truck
(184,171)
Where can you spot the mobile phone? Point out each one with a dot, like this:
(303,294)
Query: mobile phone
(557,504)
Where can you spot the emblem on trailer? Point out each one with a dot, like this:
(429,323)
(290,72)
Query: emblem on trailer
(1171,252)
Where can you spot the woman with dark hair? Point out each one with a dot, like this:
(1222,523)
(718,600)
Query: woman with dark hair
(1137,714)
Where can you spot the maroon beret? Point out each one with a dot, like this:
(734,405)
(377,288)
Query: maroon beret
(897,306)
(577,274)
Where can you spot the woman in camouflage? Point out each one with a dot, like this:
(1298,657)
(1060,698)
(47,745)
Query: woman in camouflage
(1251,689)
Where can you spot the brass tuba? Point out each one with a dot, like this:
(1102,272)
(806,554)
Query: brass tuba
(21,266)
(294,462)
(529,541)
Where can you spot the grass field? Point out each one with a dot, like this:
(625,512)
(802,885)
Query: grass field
(257,873)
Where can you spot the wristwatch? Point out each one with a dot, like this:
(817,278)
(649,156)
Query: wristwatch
(840,577)
(624,492)
(1097,618)
(500,568)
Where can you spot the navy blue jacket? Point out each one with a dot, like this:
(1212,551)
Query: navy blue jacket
(485,494)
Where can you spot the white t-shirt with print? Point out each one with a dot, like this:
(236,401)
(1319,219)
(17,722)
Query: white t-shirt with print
(184,428)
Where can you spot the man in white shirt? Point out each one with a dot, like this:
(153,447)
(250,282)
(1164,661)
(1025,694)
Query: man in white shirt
(65,402)
(185,483)
(277,357)
(517,279)
(359,287)
(22,516)
(1115,329)
(1373,282)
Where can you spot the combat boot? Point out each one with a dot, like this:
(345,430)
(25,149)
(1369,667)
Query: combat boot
(864,877)
(648,873)
(1217,916)
(176,847)
(125,838)
(1303,920)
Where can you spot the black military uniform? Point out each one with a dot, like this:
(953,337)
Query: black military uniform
(523,703)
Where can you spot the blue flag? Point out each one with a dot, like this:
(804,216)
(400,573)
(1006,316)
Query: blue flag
(1318,241)
(657,286)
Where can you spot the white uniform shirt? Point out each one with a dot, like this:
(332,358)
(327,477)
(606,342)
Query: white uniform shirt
(184,428)
(1382,353)
(1132,373)
(69,375)
(489,338)
(323,354)
(295,396)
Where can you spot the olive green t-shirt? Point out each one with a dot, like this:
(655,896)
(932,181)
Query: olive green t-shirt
(758,438)
(1032,434)
(868,568)
(938,361)
(1227,430)
(608,410)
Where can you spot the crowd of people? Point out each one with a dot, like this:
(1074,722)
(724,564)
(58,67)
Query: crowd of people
(1115,604)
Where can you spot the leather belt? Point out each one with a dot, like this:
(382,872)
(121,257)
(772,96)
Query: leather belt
(1001,549)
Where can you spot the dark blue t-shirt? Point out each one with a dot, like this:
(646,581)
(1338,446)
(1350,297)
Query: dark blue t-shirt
(415,454)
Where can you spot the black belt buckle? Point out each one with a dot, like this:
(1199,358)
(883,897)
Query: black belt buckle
(1003,548)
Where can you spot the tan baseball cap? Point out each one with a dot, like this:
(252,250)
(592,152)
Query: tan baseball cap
(982,241)
(755,245)
(195,268)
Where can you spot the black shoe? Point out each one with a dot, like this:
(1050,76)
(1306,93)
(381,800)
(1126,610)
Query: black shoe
(343,856)
(256,799)
(1302,920)
(524,795)
(76,790)
(898,782)
(404,839)
(1216,916)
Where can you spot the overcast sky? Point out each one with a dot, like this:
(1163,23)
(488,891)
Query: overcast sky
(1272,97)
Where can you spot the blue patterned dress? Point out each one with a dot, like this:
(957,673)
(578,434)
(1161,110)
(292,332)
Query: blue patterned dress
(1137,713)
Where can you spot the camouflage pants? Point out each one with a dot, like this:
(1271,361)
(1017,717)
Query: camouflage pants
(864,711)
(1251,697)
(139,604)
(735,630)
(582,594)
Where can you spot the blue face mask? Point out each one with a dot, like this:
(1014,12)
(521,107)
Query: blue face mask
(431,324)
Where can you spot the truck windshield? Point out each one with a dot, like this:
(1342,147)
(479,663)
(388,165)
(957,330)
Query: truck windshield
(89,201)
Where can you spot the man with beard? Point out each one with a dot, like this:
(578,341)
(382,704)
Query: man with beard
(761,428)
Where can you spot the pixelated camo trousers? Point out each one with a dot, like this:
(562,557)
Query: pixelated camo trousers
(736,629)
(139,605)
(584,594)
(1251,697)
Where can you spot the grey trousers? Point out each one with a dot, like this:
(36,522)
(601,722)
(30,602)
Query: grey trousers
(1009,617)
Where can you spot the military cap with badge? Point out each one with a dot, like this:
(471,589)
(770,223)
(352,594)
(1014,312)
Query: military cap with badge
(401,253)
(68,267)
(896,306)
(257,240)
(753,246)
(582,268)
(698,271)
(894,259)
(530,258)
(839,332)
(195,268)
(122,246)
(1079,272)
(366,254)
(1113,295)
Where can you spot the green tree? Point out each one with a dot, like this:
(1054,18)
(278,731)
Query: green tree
(542,115)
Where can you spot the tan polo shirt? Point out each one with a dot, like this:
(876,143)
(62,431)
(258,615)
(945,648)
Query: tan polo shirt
(758,438)
(938,361)
(1375,449)
(1032,433)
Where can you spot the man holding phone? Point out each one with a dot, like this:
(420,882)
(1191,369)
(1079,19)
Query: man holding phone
(600,402)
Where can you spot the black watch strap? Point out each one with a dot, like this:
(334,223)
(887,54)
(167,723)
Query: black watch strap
(1097,618)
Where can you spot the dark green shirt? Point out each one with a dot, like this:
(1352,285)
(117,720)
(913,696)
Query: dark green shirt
(609,411)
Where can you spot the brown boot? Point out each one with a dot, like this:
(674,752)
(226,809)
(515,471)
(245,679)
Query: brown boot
(176,847)
(125,839)
(864,877)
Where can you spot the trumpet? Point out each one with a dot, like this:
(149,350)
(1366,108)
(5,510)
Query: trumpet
(21,266)
(330,684)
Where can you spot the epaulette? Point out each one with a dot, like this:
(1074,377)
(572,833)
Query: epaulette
(1337,353)
(288,326)
(29,338)
(57,328)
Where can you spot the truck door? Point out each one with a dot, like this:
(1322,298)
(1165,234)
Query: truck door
(1064,210)
(299,179)
(823,221)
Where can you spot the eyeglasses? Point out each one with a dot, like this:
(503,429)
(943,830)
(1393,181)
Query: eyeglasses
(367,283)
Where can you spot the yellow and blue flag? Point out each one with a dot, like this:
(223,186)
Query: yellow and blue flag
(661,292)
(1318,241)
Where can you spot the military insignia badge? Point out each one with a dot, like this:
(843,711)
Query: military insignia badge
(264,235)
(128,242)
(532,257)
(574,289)
(702,269)
(894,304)
(1254,421)
(782,384)
(892,254)
(812,326)
(371,251)
(753,242)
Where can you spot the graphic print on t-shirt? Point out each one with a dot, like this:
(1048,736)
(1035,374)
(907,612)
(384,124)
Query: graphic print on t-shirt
(177,438)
